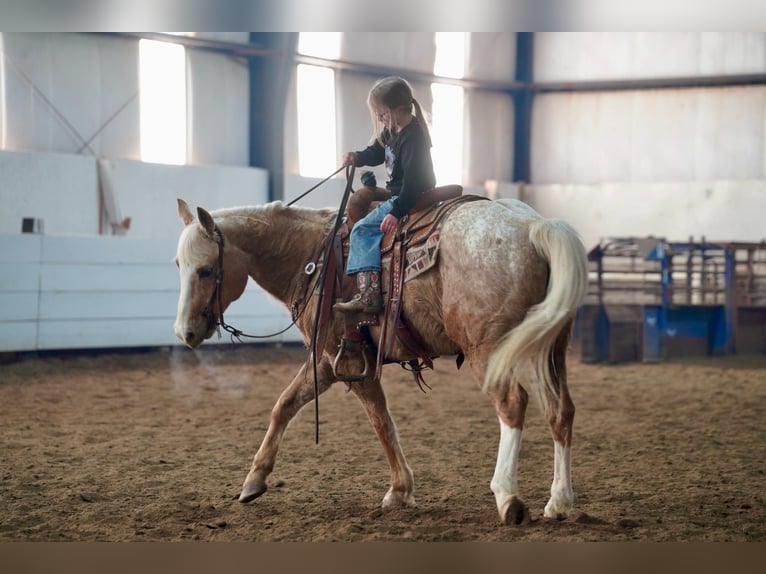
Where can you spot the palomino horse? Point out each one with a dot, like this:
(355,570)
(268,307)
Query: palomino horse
(503,293)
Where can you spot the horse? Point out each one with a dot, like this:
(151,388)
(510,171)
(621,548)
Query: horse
(503,294)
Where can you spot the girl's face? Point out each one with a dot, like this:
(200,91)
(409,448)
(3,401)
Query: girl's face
(384,116)
(396,118)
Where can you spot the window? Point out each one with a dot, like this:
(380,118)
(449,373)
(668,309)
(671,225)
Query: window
(316,121)
(3,130)
(450,54)
(447,111)
(162,81)
(317,154)
(447,133)
(320,44)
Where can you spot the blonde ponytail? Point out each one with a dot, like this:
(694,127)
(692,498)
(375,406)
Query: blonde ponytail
(422,121)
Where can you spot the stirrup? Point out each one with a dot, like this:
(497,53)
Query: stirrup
(345,346)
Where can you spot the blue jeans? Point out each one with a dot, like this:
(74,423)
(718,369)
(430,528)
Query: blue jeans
(364,249)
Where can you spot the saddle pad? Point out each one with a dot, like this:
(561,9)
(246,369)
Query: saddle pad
(422,257)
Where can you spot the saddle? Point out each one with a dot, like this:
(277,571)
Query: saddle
(417,230)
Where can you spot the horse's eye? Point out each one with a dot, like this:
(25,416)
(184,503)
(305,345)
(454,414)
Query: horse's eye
(205,272)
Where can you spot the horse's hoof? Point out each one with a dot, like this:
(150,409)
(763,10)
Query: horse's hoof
(252,489)
(397,500)
(516,512)
(557,509)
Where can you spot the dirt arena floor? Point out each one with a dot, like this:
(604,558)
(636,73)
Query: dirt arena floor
(155,446)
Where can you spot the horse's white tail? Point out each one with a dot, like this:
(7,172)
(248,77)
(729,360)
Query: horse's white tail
(533,339)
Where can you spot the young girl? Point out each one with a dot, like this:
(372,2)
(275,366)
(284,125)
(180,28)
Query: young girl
(404,144)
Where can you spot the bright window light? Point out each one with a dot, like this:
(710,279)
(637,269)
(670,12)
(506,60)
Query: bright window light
(162,80)
(316,121)
(320,44)
(3,129)
(447,133)
(450,54)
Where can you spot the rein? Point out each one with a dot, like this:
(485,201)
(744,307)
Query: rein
(320,284)
(216,297)
(218,238)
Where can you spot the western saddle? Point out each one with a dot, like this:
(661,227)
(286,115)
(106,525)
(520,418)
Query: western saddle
(422,222)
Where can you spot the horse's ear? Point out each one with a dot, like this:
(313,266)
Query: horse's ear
(206,221)
(184,212)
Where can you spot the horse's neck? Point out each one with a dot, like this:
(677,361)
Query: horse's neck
(278,243)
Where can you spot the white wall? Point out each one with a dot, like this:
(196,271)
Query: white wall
(147,192)
(582,56)
(104,292)
(65,90)
(218,119)
(63,190)
(674,162)
(717,210)
(650,135)
(59,188)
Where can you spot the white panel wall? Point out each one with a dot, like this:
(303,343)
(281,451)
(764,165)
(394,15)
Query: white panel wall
(71,93)
(219,118)
(488,136)
(59,188)
(103,292)
(491,56)
(405,50)
(581,56)
(147,192)
(717,210)
(63,190)
(650,135)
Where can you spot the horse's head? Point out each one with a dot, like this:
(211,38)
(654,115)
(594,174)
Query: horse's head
(213,274)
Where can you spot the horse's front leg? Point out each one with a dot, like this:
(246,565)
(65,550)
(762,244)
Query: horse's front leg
(297,394)
(370,394)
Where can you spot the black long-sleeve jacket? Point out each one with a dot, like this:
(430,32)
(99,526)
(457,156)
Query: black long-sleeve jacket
(407,155)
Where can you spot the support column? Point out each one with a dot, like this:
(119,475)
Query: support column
(522,107)
(269,85)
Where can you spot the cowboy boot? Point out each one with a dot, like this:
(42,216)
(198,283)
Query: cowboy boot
(369,299)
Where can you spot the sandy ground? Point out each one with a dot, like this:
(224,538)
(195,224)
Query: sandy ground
(155,446)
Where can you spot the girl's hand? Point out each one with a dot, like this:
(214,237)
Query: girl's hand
(349,159)
(389,223)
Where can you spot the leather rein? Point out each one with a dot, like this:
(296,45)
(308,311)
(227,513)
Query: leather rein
(235,333)
(324,252)
(220,323)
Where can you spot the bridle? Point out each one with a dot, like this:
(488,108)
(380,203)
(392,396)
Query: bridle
(209,310)
(235,333)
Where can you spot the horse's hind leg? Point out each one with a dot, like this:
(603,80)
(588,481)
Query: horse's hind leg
(297,394)
(510,405)
(370,393)
(560,411)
